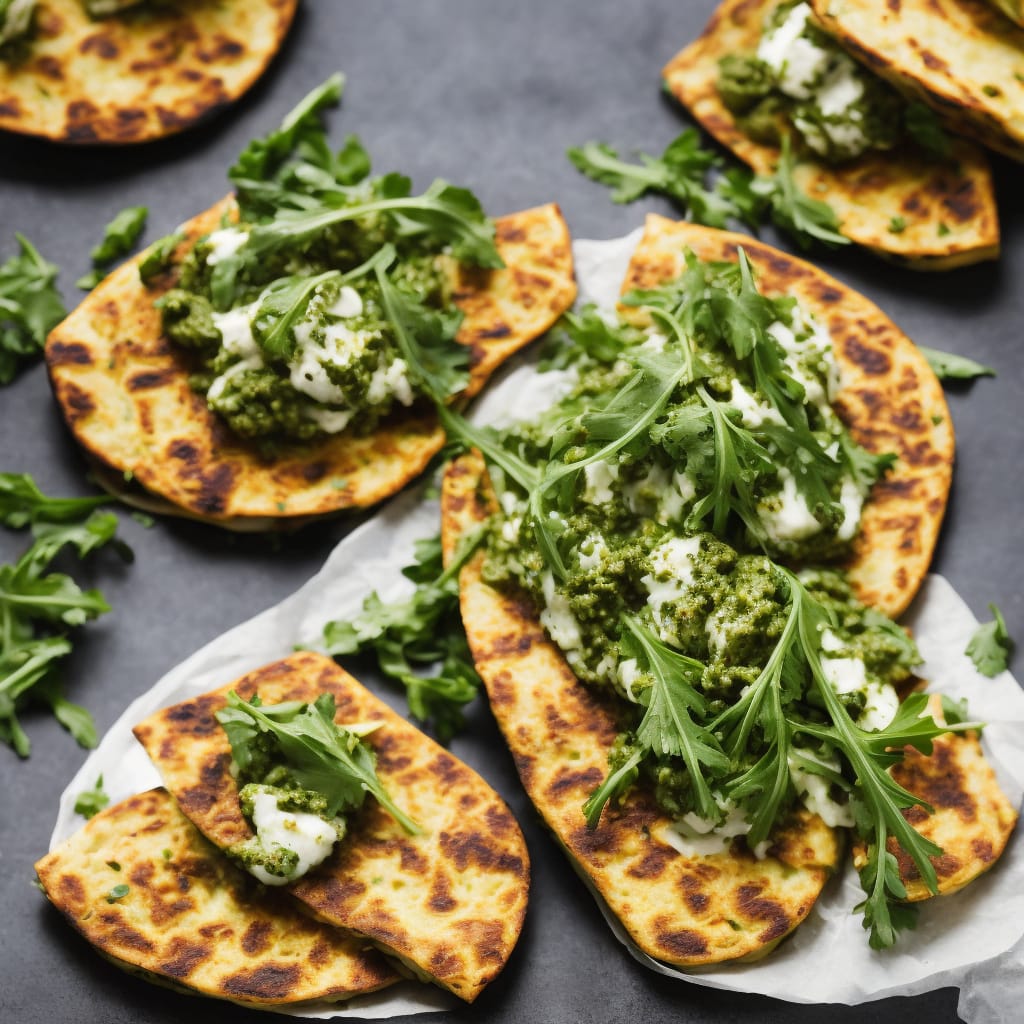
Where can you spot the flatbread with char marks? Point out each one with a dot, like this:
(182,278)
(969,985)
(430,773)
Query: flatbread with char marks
(890,399)
(948,209)
(139,75)
(961,57)
(191,919)
(684,910)
(124,390)
(449,903)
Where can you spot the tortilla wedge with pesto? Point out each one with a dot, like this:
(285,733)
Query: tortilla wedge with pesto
(683,910)
(889,398)
(150,894)
(136,76)
(961,57)
(124,390)
(947,210)
(448,903)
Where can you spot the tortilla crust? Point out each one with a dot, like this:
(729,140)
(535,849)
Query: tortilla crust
(449,903)
(123,388)
(972,818)
(865,193)
(138,76)
(192,919)
(682,910)
(961,57)
(889,398)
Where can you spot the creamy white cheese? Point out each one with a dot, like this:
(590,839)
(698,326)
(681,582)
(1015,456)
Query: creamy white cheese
(670,576)
(797,61)
(330,421)
(786,516)
(840,89)
(753,413)
(307,835)
(592,552)
(349,303)
(235,328)
(557,618)
(224,244)
(17,20)
(598,480)
(390,379)
(813,790)
(216,388)
(694,836)
(852,501)
(849,675)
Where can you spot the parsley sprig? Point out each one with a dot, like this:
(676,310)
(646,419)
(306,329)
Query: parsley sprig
(316,753)
(990,645)
(38,608)
(119,238)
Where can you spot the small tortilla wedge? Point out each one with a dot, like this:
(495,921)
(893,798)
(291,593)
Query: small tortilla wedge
(191,920)
(949,210)
(140,75)
(683,910)
(449,903)
(124,391)
(961,57)
(972,818)
(890,399)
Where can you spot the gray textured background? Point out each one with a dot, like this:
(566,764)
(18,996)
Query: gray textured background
(489,96)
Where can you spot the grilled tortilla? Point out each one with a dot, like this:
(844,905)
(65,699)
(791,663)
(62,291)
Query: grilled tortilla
(865,193)
(136,76)
(190,919)
(683,910)
(972,819)
(890,400)
(124,390)
(448,903)
(961,57)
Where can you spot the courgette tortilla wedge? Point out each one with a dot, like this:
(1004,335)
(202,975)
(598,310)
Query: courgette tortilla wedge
(449,903)
(187,918)
(961,57)
(889,398)
(124,391)
(681,910)
(948,209)
(139,75)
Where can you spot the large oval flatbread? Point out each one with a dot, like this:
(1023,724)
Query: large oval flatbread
(124,391)
(448,903)
(140,75)
(683,910)
(971,817)
(191,919)
(948,209)
(961,57)
(889,398)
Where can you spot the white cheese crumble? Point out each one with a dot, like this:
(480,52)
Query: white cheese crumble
(390,379)
(224,244)
(786,515)
(307,835)
(557,618)
(349,303)
(694,836)
(598,480)
(670,576)
(753,413)
(849,675)
(592,552)
(796,60)
(813,790)
(235,328)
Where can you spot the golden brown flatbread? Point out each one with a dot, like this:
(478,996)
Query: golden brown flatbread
(890,399)
(949,210)
(191,919)
(449,903)
(972,819)
(136,76)
(683,910)
(961,57)
(123,388)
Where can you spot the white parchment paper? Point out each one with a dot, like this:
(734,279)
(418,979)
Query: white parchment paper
(972,940)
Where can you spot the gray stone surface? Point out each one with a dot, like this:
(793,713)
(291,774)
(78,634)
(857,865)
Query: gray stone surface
(490,96)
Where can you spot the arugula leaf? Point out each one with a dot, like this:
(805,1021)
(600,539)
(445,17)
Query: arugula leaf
(317,753)
(950,366)
(30,307)
(37,607)
(119,237)
(420,632)
(990,645)
(157,259)
(281,306)
(90,802)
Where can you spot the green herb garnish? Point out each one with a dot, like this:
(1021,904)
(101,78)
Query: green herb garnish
(990,645)
(90,802)
(950,366)
(119,237)
(118,893)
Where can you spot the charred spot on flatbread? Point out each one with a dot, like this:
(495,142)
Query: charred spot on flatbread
(190,918)
(141,419)
(683,910)
(948,209)
(961,57)
(890,400)
(137,76)
(449,903)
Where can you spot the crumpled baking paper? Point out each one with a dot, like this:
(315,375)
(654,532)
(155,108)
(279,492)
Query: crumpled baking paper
(972,940)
